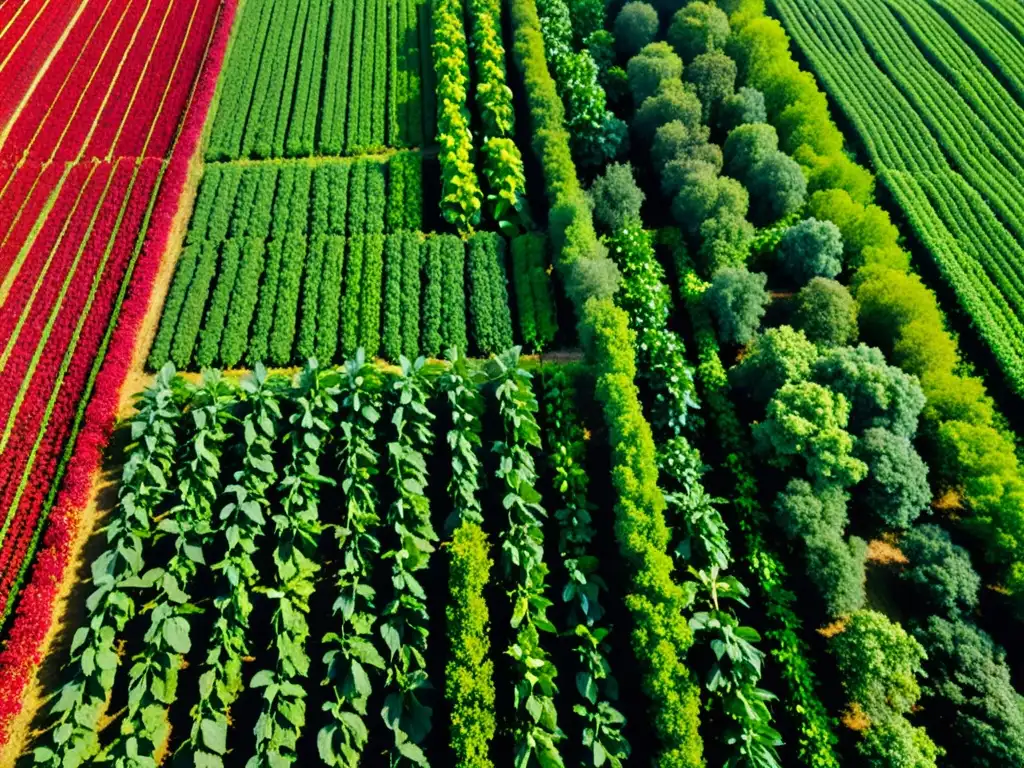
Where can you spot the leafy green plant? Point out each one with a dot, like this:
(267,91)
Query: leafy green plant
(240,522)
(596,688)
(408,548)
(297,529)
(535,730)
(352,655)
(243,303)
(92,669)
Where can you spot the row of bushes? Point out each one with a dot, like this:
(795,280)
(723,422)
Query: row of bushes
(337,197)
(460,189)
(286,300)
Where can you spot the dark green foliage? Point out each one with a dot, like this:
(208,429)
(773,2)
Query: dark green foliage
(880,395)
(635,26)
(588,17)
(939,572)
(896,490)
(726,240)
(817,519)
(488,293)
(810,249)
(329,313)
(776,357)
(350,298)
(320,203)
(216,314)
(282,202)
(657,63)
(677,149)
(243,303)
(220,216)
(259,340)
(396,202)
(305,343)
(258,225)
(453,313)
(370,294)
(298,211)
(160,352)
(433,296)
(713,76)
(300,141)
(191,315)
(777,187)
(746,146)
(537,321)
(826,313)
(672,101)
(291,88)
(282,335)
(615,196)
(375,197)
(737,300)
(969,699)
(379,110)
(698,28)
(336,89)
(705,195)
(410,295)
(248,187)
(338,183)
(357,202)
(206,198)
(393,265)
(744,107)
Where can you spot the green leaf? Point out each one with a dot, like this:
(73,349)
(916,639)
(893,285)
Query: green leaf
(215,735)
(175,632)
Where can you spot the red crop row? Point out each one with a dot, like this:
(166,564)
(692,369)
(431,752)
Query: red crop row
(123,76)
(88,428)
(20,207)
(28,32)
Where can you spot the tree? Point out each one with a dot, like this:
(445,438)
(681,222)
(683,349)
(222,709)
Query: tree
(697,29)
(725,243)
(893,741)
(677,140)
(826,312)
(744,107)
(806,423)
(736,302)
(587,18)
(969,696)
(940,572)
(657,63)
(672,101)
(896,490)
(879,664)
(880,395)
(778,187)
(809,249)
(803,512)
(776,357)
(705,194)
(713,76)
(746,146)
(615,196)
(635,26)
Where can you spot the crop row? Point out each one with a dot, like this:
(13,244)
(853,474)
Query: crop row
(338,197)
(94,101)
(250,487)
(245,300)
(325,78)
(974,251)
(997,43)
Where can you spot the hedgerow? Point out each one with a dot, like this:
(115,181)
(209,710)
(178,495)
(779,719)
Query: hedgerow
(410,294)
(534,301)
(394,265)
(286,306)
(433,266)
(216,314)
(453,313)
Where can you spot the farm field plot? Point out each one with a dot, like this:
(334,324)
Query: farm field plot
(324,78)
(951,170)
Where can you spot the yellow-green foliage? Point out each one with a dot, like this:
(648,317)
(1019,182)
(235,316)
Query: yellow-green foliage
(469,684)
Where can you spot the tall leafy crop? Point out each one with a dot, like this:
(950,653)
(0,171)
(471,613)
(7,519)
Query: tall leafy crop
(336,86)
(393,265)
(296,531)
(469,673)
(351,651)
(408,546)
(305,342)
(286,306)
(411,280)
(488,293)
(209,338)
(350,298)
(370,294)
(596,688)
(191,316)
(243,303)
(460,193)
(92,669)
(453,312)
(503,163)
(259,340)
(160,352)
(153,677)
(330,299)
(240,522)
(534,302)
(433,269)
(535,728)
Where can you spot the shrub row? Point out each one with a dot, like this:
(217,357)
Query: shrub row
(460,190)
(488,293)
(401,331)
(535,304)
(279,99)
